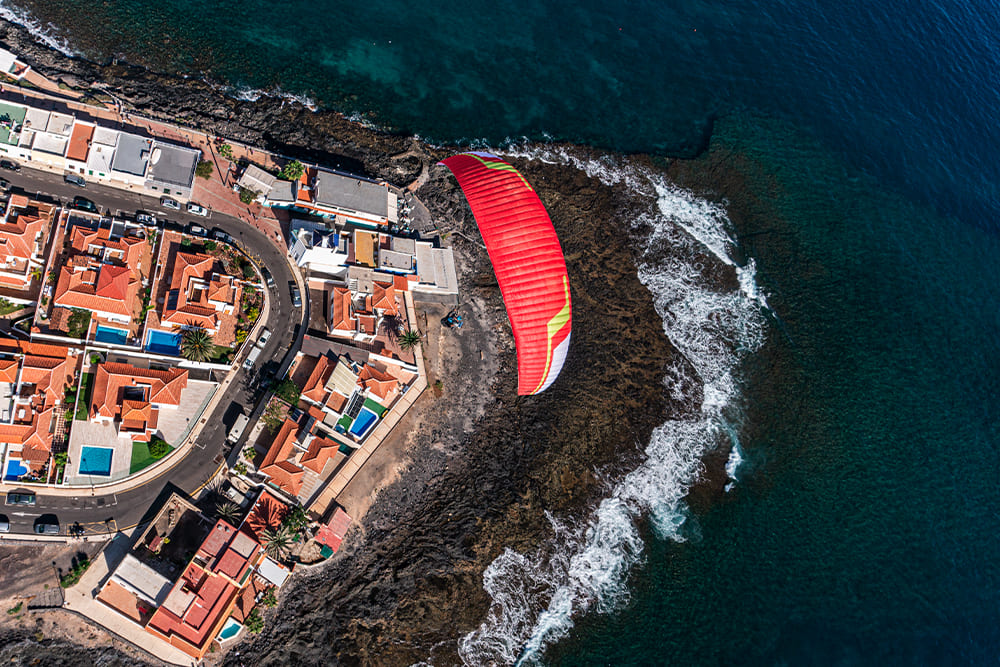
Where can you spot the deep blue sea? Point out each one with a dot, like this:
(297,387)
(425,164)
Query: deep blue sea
(863,528)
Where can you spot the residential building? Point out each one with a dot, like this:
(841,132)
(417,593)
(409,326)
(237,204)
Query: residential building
(132,398)
(11,66)
(201,294)
(103,273)
(24,230)
(33,381)
(171,169)
(257,180)
(195,609)
(333,194)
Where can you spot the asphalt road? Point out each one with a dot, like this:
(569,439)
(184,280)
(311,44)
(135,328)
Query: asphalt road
(96,512)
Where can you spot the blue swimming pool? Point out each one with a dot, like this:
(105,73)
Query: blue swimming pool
(96,461)
(230,629)
(163,342)
(15,468)
(364,421)
(111,335)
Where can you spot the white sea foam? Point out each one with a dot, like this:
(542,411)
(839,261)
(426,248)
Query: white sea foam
(585,565)
(46,34)
(248,94)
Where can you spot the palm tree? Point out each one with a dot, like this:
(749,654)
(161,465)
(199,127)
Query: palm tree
(227,510)
(409,339)
(277,541)
(196,344)
(392,327)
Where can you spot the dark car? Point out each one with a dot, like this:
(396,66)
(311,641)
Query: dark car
(220,235)
(268,278)
(10,165)
(84,204)
(4,524)
(25,498)
(4,184)
(47,524)
(296,296)
(145,218)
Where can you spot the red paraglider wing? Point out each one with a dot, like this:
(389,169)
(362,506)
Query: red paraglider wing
(527,260)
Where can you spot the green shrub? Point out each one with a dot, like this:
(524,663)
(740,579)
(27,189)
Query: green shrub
(288,391)
(158,448)
(16,609)
(73,576)
(79,323)
(247,196)
(204,169)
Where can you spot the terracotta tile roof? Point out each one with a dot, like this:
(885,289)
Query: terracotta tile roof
(379,383)
(197,286)
(111,380)
(79,142)
(127,250)
(284,474)
(336,401)
(8,370)
(342,318)
(86,283)
(17,237)
(366,324)
(320,451)
(315,386)
(384,298)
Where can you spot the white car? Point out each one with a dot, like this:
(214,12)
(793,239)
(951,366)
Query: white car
(265,335)
(172,204)
(195,209)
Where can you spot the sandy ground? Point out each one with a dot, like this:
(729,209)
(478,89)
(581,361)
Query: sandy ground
(30,574)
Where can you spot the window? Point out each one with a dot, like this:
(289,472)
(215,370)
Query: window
(91,172)
(166,191)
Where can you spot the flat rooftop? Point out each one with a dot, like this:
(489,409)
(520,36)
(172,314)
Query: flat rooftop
(132,154)
(173,165)
(351,193)
(11,115)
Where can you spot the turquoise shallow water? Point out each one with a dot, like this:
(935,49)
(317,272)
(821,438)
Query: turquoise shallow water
(863,527)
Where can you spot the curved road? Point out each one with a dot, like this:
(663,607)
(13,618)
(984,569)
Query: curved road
(94,511)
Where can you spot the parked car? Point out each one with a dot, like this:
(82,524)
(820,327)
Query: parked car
(195,230)
(4,524)
(15,498)
(251,358)
(196,209)
(220,235)
(265,335)
(47,524)
(296,296)
(84,204)
(268,278)
(75,179)
(172,204)
(10,165)
(4,184)
(145,218)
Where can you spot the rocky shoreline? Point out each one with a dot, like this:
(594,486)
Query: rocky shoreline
(484,466)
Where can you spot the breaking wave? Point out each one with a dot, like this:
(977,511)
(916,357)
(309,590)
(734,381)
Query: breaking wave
(584,566)
(46,34)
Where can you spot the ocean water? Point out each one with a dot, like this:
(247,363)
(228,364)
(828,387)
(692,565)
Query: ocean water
(854,370)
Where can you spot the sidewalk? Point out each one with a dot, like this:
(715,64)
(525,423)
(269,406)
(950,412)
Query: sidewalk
(81,599)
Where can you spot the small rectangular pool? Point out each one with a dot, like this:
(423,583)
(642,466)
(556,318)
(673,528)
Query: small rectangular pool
(15,468)
(364,422)
(111,335)
(163,342)
(96,461)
